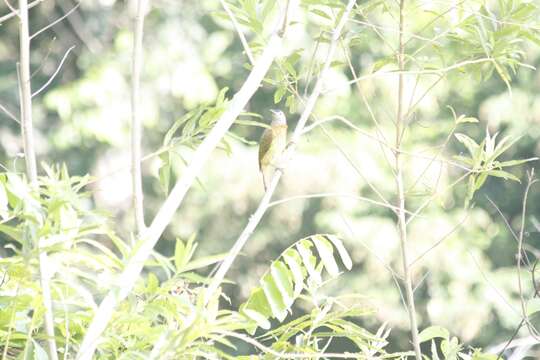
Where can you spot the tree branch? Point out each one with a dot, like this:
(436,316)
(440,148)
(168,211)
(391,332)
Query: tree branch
(55,73)
(16,13)
(402,222)
(136,125)
(263,205)
(151,235)
(31,167)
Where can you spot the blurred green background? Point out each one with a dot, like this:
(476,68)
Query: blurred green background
(467,284)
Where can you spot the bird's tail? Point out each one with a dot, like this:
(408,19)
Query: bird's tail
(267,173)
(264,181)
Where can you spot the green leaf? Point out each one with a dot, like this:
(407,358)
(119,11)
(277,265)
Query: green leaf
(309,260)
(502,146)
(326,253)
(463,119)
(257,301)
(345,258)
(221,96)
(152,283)
(205,261)
(273,295)
(321,14)
(533,306)
(515,162)
(471,189)
(482,356)
(469,143)
(433,332)
(278,95)
(164,174)
(179,255)
(379,64)
(3,202)
(252,123)
(450,348)
(259,318)
(283,281)
(503,174)
(463,159)
(293,261)
(480,180)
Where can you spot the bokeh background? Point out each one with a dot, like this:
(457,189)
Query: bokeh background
(467,284)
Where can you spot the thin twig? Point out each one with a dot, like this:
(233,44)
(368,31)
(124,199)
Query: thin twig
(530,181)
(441,240)
(439,72)
(55,22)
(388,267)
(241,35)
(380,133)
(506,346)
(136,124)
(490,283)
(349,124)
(55,72)
(333,194)
(16,12)
(9,113)
(514,235)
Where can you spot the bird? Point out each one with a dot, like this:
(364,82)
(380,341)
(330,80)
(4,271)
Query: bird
(272,143)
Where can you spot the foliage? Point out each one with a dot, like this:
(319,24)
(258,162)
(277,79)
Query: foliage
(475,56)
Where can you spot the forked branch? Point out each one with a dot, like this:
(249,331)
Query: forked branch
(150,236)
(264,204)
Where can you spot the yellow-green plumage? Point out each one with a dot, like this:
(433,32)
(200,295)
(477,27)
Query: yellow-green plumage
(272,143)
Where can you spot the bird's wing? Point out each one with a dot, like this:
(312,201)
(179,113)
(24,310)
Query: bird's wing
(264,145)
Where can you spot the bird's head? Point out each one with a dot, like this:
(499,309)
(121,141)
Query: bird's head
(278,118)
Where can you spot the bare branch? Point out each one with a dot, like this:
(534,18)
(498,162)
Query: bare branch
(263,205)
(151,235)
(439,72)
(55,72)
(332,194)
(532,330)
(236,26)
(48,26)
(401,215)
(136,123)
(440,241)
(14,12)
(9,113)
(25,92)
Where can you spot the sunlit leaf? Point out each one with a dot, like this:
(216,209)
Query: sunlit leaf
(433,332)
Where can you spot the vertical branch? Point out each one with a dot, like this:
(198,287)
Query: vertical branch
(26,94)
(30,161)
(136,126)
(298,131)
(530,181)
(402,221)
